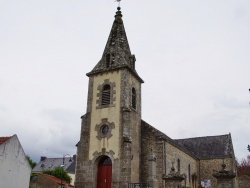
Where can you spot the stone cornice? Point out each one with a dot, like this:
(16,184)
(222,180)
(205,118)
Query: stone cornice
(92,73)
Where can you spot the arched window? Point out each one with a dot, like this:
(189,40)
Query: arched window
(107,60)
(106,94)
(178,165)
(133,98)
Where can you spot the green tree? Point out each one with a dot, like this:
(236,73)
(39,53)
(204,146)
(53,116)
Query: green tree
(60,173)
(248,148)
(31,162)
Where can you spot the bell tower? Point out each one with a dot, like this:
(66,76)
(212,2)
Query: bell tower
(108,153)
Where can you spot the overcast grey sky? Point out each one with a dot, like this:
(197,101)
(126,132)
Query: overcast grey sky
(193,55)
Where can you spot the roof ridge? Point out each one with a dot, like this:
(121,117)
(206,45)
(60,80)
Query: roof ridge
(207,146)
(203,137)
(56,157)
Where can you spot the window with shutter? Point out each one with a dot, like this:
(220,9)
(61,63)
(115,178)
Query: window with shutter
(106,95)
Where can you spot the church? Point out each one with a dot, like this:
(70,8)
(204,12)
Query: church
(118,149)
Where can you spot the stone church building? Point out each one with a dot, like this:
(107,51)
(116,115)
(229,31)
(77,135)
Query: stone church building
(118,149)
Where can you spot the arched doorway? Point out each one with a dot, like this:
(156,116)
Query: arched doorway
(104,174)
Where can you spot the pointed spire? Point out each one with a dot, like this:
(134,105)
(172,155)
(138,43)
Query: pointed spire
(117,53)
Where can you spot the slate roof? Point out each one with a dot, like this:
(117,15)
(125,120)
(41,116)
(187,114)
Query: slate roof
(207,147)
(56,180)
(4,139)
(219,146)
(50,163)
(72,166)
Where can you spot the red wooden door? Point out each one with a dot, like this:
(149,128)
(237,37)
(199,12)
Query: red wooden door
(104,176)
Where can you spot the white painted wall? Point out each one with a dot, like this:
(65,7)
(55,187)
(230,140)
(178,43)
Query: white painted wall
(73,178)
(14,167)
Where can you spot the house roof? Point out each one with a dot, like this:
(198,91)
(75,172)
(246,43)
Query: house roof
(56,180)
(72,167)
(219,146)
(50,163)
(4,139)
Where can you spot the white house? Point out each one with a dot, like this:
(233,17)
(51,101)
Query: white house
(14,167)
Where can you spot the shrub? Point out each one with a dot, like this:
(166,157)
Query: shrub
(243,167)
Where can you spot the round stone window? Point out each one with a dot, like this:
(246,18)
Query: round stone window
(104,129)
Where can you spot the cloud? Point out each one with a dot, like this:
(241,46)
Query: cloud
(192,55)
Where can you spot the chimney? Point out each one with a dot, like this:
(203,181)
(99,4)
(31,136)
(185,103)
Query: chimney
(43,158)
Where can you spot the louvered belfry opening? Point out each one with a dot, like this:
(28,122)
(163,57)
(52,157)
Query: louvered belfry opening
(106,95)
(133,98)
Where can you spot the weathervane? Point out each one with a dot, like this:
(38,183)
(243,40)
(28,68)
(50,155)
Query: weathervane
(118,2)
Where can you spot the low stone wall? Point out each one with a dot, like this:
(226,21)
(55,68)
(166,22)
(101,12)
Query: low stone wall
(244,181)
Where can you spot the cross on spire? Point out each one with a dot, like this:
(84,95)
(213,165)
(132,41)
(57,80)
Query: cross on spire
(118,2)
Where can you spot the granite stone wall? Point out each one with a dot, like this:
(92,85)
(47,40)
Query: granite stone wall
(152,140)
(188,164)
(167,154)
(130,123)
(244,181)
(83,178)
(209,165)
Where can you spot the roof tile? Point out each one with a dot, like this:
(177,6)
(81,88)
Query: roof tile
(4,139)
(56,180)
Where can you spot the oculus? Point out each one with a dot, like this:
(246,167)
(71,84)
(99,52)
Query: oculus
(104,129)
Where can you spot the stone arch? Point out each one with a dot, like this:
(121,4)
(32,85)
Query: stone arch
(97,158)
(104,172)
(100,92)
